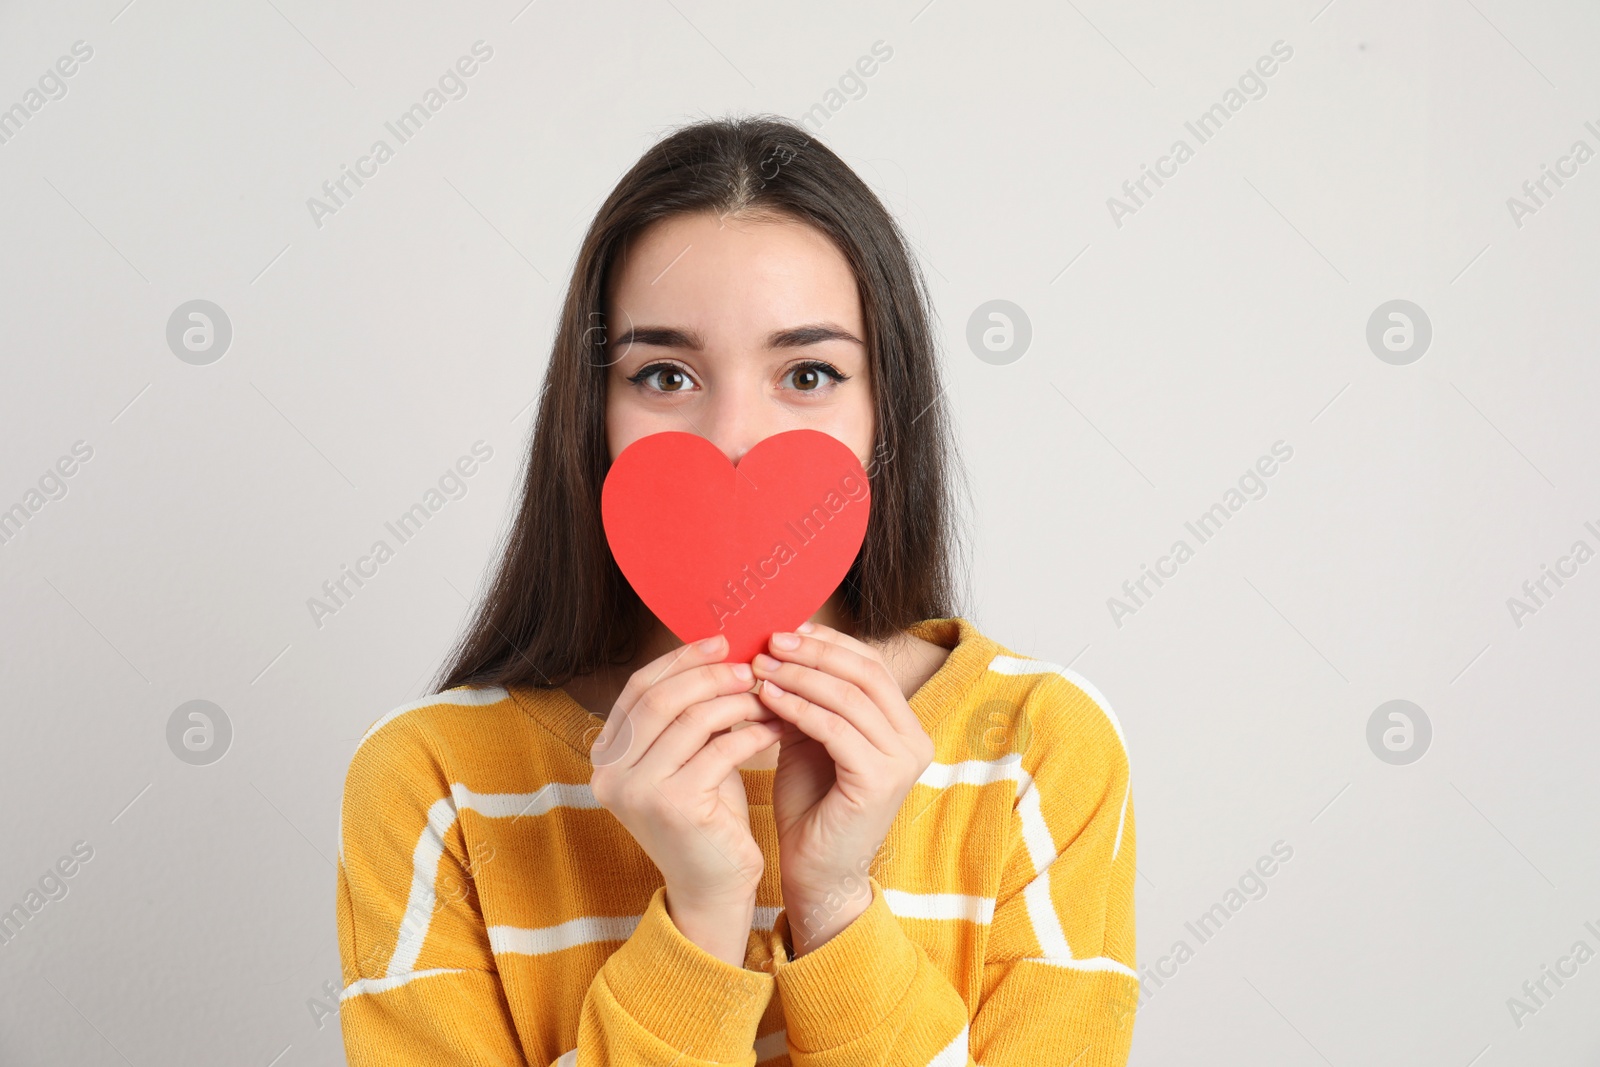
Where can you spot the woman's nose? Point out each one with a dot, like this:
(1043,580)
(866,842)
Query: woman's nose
(736,423)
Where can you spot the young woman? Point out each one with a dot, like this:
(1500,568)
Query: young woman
(889,840)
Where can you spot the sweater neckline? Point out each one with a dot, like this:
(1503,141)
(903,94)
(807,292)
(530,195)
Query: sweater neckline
(970,654)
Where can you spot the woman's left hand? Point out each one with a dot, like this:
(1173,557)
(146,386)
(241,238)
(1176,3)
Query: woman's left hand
(850,752)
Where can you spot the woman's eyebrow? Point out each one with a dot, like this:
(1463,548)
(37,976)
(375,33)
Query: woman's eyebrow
(660,337)
(794,337)
(813,333)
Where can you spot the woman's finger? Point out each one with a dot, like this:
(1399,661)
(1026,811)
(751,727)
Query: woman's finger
(680,659)
(714,762)
(839,697)
(637,729)
(876,655)
(695,726)
(848,749)
(828,633)
(871,674)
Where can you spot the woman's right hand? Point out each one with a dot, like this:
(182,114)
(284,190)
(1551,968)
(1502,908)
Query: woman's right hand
(666,765)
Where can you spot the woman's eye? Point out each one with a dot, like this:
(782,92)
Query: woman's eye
(810,377)
(670,377)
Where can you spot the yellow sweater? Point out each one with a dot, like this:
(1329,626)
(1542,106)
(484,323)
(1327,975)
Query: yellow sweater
(490,912)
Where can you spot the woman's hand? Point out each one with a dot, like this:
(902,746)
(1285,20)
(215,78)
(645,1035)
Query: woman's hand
(850,752)
(666,764)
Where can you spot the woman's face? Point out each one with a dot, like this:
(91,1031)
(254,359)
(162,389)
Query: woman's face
(736,329)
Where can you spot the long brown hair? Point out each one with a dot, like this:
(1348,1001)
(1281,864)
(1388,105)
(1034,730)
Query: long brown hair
(558,606)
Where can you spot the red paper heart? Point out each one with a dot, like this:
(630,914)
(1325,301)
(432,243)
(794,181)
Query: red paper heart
(747,551)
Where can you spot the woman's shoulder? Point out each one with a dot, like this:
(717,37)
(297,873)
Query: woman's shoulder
(455,715)
(1050,705)
(455,748)
(491,736)
(1050,685)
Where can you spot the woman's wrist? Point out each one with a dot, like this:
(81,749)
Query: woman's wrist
(721,929)
(814,921)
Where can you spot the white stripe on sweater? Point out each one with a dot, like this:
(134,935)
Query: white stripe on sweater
(973,772)
(383,985)
(516,805)
(954,1054)
(1098,963)
(579,795)
(460,695)
(424,874)
(584,930)
(973,909)
(1036,833)
(1017,665)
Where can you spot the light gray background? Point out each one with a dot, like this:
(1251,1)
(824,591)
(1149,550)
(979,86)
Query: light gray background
(1167,355)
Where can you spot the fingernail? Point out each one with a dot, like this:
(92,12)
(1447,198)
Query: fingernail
(766,662)
(742,672)
(710,644)
(772,690)
(788,641)
(805,627)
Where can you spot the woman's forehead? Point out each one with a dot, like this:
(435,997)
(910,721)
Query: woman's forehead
(735,272)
